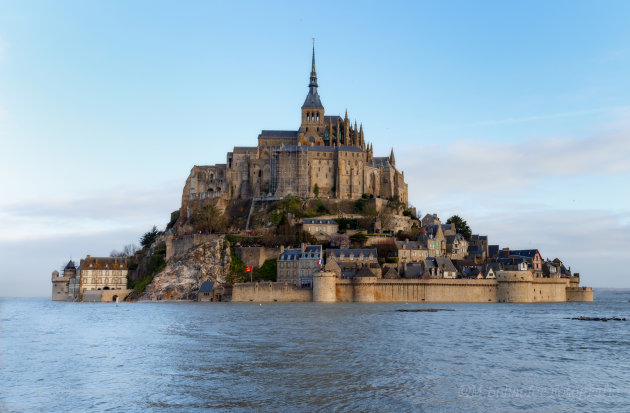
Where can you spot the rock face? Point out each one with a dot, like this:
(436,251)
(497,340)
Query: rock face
(184,274)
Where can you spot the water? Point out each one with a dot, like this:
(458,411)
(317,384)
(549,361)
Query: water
(186,357)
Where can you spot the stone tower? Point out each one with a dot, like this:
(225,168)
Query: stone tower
(313,125)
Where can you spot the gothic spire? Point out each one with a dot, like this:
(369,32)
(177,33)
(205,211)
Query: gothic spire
(313,82)
(312,99)
(392,160)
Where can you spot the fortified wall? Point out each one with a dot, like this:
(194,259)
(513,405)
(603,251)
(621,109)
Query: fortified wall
(269,292)
(256,256)
(509,287)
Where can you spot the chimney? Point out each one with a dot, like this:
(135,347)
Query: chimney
(505,253)
(303,246)
(281,249)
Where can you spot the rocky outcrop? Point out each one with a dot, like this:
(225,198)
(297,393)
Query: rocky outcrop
(184,274)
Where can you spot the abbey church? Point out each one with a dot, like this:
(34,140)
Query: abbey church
(326,157)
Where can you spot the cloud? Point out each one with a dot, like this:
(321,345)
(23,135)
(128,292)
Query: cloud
(486,167)
(592,242)
(543,117)
(105,211)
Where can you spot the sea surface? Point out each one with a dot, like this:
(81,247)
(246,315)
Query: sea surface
(188,357)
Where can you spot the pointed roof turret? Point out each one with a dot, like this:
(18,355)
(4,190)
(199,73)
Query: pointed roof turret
(312,99)
(392,160)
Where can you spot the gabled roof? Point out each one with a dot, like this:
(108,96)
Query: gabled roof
(365,272)
(347,251)
(391,274)
(206,287)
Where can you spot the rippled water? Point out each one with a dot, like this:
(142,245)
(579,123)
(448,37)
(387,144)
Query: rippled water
(286,357)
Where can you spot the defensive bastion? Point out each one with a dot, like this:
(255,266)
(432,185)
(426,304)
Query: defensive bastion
(508,287)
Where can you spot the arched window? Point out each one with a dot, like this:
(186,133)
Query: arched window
(318,116)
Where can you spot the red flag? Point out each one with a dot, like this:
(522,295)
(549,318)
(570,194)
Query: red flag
(248,269)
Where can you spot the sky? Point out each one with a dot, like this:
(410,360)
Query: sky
(513,115)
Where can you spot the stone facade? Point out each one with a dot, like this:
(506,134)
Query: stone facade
(103,273)
(297,266)
(327,155)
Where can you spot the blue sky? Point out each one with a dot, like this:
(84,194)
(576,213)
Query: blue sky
(515,116)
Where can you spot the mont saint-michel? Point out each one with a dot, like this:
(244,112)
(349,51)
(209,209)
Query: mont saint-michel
(312,214)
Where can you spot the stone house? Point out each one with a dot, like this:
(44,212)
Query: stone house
(320,228)
(351,260)
(103,273)
(480,242)
(296,266)
(440,267)
(435,240)
(206,291)
(456,246)
(533,258)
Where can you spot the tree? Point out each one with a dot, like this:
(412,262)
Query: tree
(128,251)
(339,241)
(208,219)
(359,238)
(149,237)
(461,226)
(316,191)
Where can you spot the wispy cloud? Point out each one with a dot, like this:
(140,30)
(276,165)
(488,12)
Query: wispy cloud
(473,167)
(533,118)
(111,210)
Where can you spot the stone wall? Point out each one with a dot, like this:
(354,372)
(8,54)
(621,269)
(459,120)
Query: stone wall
(256,256)
(270,291)
(579,294)
(418,290)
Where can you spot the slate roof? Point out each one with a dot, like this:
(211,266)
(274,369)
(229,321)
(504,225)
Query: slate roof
(319,221)
(446,264)
(70,266)
(297,254)
(347,251)
(333,119)
(365,272)
(410,245)
(523,253)
(206,287)
(312,100)
(278,134)
(493,250)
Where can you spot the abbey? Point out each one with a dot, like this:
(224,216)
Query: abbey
(327,157)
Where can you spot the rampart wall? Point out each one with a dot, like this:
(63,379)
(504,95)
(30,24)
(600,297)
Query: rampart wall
(509,287)
(269,291)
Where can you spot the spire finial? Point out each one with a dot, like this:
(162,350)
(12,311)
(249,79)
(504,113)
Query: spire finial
(313,82)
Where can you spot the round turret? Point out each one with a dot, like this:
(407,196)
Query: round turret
(325,287)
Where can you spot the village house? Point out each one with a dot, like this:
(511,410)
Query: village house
(456,246)
(103,273)
(440,267)
(351,260)
(435,240)
(64,286)
(411,251)
(533,258)
(205,291)
(480,242)
(296,266)
(320,228)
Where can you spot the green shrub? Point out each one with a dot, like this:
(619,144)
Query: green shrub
(268,271)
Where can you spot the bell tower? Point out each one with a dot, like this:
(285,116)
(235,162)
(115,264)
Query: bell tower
(313,126)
